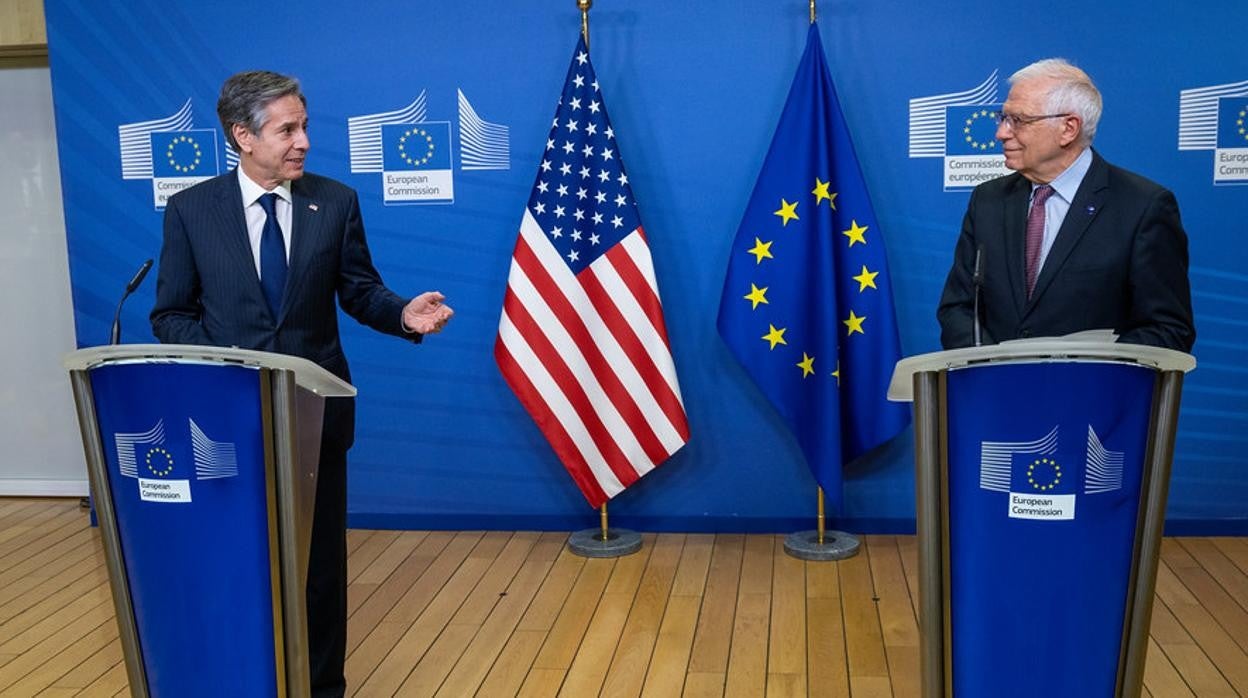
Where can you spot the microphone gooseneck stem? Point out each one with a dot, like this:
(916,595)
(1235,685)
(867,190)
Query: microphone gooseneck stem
(115,335)
(978,281)
(979,340)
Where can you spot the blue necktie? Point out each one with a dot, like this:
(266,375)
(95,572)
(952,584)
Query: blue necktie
(272,255)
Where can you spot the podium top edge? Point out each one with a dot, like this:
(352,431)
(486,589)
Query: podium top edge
(1044,349)
(308,375)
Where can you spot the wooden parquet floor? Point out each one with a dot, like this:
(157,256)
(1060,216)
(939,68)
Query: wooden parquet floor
(443,613)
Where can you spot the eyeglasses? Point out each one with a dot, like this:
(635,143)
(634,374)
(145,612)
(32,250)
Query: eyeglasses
(1016,120)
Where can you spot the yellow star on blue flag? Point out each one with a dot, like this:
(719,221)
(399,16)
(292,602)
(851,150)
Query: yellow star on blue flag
(826,285)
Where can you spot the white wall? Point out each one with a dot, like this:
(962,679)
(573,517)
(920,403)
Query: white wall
(40,446)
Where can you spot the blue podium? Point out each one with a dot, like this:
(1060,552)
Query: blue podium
(203,465)
(1041,472)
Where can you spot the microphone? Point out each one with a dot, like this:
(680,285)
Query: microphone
(978,280)
(130,288)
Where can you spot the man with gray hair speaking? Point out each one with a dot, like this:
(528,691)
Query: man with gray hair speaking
(256,258)
(1068,242)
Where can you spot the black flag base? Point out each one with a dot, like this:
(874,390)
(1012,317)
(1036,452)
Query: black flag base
(619,542)
(836,545)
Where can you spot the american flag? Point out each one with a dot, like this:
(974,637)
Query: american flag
(581,340)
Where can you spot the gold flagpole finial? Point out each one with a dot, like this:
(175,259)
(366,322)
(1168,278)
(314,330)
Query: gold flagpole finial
(812,11)
(583,6)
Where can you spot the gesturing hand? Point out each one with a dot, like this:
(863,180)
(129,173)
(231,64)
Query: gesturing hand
(427,313)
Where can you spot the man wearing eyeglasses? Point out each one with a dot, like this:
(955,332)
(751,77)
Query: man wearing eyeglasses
(1068,242)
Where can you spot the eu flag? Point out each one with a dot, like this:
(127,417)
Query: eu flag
(189,153)
(972,130)
(807,307)
(1233,122)
(422,146)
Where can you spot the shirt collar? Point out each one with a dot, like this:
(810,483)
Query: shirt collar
(1067,183)
(252,191)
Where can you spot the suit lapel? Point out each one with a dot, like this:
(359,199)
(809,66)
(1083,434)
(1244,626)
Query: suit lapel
(1083,210)
(306,223)
(1015,226)
(232,223)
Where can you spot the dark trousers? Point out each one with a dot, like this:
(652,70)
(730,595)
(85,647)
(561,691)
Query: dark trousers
(327,575)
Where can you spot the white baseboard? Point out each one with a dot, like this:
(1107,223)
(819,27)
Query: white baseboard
(42,488)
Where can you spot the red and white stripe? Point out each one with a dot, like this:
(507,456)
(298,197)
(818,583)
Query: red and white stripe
(589,359)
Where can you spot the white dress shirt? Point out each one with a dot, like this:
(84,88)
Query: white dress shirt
(1058,205)
(255,214)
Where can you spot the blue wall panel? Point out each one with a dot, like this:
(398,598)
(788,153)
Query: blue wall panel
(694,92)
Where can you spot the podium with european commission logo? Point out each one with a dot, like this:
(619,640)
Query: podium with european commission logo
(203,465)
(1041,469)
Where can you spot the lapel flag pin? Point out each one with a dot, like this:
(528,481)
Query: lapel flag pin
(314,207)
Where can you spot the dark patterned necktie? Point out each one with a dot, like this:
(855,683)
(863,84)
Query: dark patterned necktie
(1035,234)
(273,255)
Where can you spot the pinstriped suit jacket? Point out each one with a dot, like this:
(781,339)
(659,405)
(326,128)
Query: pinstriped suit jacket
(207,290)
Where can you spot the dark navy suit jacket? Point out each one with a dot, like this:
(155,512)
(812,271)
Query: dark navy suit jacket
(208,292)
(1118,262)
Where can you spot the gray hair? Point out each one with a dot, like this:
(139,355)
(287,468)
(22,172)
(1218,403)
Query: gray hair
(245,98)
(1074,92)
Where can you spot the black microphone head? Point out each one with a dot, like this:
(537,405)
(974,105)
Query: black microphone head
(134,283)
(139,276)
(978,276)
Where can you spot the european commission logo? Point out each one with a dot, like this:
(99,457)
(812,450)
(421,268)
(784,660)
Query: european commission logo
(149,458)
(1216,118)
(1042,484)
(415,156)
(960,128)
(170,152)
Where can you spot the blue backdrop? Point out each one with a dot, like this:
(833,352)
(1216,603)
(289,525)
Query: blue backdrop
(695,91)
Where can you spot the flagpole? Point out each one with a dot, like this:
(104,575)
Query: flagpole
(819,524)
(602,542)
(819,546)
(583,6)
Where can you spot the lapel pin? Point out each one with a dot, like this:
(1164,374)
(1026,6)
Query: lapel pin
(1091,210)
(314,207)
